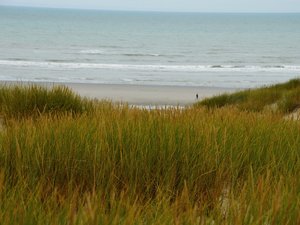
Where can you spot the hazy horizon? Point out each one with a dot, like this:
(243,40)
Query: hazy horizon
(193,6)
(150,11)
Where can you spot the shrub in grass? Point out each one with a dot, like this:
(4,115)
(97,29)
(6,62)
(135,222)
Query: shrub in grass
(22,101)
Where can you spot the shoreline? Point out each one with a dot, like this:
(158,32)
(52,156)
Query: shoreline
(139,95)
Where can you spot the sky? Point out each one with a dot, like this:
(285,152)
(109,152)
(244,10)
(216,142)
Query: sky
(167,5)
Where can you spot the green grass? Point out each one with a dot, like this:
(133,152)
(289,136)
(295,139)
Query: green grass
(32,100)
(121,165)
(286,95)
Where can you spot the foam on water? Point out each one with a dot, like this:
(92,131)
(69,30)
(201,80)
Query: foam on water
(92,51)
(175,68)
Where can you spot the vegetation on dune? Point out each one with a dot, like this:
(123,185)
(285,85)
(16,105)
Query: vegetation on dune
(122,165)
(32,100)
(284,96)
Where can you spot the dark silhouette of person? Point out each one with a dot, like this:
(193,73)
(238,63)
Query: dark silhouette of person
(197,96)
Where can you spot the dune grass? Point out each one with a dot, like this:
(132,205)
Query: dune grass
(32,100)
(122,165)
(285,96)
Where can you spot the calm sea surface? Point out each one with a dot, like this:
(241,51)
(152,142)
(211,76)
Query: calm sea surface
(188,49)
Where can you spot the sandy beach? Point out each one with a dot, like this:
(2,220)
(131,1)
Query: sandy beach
(140,94)
(146,95)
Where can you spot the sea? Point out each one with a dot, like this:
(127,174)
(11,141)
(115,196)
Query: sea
(148,48)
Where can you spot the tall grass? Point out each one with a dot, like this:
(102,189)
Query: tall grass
(30,100)
(285,96)
(121,165)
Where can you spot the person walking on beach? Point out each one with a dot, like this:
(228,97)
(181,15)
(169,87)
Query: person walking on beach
(197,96)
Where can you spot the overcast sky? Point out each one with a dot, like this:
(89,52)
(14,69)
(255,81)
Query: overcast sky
(168,5)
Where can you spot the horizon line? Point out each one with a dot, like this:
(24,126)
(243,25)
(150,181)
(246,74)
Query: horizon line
(150,11)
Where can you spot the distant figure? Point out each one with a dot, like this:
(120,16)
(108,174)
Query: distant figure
(197,96)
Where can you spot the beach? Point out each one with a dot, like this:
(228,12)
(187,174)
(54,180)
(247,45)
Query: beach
(140,95)
(147,95)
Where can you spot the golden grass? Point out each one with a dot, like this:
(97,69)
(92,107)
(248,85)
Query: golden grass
(120,165)
(32,100)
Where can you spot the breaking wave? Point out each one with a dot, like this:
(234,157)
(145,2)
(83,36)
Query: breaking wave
(176,68)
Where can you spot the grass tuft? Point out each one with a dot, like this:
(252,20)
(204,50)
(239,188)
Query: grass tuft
(285,95)
(33,100)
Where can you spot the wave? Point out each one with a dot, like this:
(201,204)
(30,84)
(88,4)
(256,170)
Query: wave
(149,55)
(103,52)
(59,61)
(172,68)
(141,54)
(17,59)
(92,52)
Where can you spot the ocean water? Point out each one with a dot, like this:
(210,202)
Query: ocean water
(143,48)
